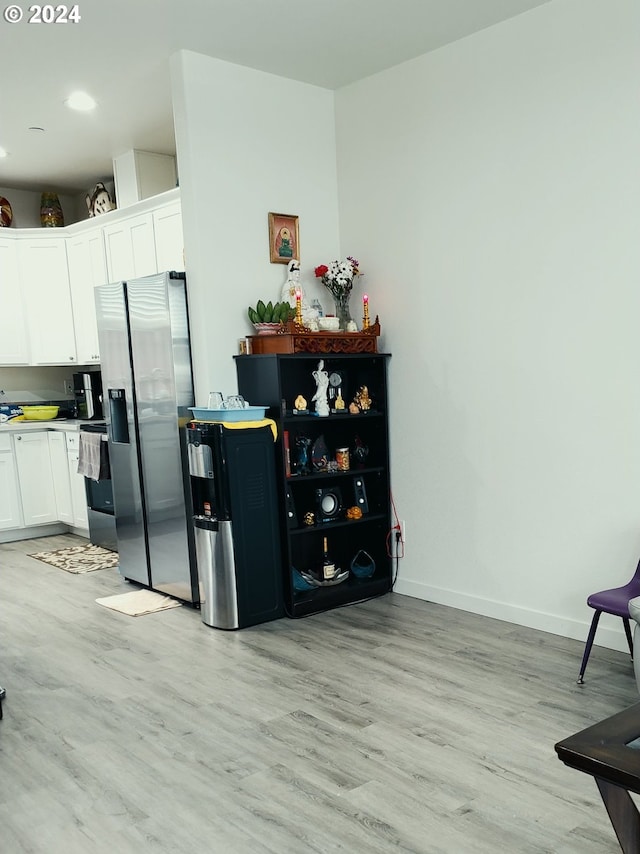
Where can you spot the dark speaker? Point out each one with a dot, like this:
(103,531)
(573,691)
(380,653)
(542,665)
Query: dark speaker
(292,518)
(360,494)
(329,504)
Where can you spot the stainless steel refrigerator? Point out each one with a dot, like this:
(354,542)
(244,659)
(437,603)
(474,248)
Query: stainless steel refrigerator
(145,356)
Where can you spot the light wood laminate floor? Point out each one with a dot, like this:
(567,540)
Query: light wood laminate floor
(395,725)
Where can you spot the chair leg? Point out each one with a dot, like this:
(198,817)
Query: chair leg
(627,631)
(589,644)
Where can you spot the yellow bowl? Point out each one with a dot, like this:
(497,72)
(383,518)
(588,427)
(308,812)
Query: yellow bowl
(40,413)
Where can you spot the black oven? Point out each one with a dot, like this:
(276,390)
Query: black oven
(100,509)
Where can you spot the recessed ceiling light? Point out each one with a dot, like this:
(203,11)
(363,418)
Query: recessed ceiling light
(3,152)
(80,101)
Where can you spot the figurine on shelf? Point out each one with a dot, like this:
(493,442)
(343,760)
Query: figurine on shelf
(360,452)
(361,402)
(99,201)
(300,406)
(302,451)
(292,290)
(322,384)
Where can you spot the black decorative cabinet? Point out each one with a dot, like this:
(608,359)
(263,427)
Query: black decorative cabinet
(333,473)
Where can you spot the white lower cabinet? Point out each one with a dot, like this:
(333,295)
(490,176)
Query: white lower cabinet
(76,483)
(61,479)
(71,500)
(10,515)
(40,484)
(33,463)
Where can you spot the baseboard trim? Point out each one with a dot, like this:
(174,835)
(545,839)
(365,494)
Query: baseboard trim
(32,532)
(610,637)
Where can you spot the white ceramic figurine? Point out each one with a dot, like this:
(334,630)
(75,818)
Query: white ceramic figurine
(288,294)
(320,397)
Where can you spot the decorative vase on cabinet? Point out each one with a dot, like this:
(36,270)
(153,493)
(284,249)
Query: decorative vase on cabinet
(341,302)
(51,215)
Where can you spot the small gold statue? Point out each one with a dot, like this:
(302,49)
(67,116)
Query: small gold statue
(361,402)
(362,398)
(300,402)
(339,401)
(354,513)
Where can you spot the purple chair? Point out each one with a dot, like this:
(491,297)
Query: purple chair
(616,602)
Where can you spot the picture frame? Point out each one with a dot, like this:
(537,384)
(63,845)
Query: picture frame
(284,238)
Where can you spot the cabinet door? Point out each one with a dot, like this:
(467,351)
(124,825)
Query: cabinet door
(78,494)
(9,496)
(60,475)
(130,248)
(87,268)
(167,227)
(14,343)
(35,478)
(44,276)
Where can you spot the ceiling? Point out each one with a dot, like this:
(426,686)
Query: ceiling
(119,53)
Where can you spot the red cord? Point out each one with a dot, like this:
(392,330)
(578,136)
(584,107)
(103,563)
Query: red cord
(396,528)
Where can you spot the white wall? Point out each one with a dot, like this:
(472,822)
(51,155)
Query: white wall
(490,190)
(247,143)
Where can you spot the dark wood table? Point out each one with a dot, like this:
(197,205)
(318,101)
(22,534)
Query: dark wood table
(610,752)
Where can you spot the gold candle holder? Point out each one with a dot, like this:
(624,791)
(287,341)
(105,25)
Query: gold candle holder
(365,312)
(299,308)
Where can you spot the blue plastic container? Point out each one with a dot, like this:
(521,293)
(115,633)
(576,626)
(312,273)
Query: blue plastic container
(249,413)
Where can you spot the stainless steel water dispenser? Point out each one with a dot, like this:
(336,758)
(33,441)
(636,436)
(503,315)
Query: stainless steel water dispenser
(233,488)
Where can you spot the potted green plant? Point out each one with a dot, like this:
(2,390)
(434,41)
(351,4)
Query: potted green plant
(268,318)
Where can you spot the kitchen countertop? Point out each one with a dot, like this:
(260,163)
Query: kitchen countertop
(68,425)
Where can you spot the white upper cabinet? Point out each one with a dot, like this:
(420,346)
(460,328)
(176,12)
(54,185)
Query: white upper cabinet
(87,268)
(167,227)
(44,276)
(14,343)
(47,280)
(130,247)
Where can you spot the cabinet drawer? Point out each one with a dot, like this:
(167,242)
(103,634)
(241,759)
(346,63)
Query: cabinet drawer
(73,441)
(5,443)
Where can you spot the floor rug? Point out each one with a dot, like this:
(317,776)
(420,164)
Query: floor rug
(78,559)
(138,602)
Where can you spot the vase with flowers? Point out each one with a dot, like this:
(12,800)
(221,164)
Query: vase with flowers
(338,279)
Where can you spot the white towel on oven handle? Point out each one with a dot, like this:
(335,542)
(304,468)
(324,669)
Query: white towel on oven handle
(89,454)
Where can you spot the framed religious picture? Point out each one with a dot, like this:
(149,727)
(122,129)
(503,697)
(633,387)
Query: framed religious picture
(284,238)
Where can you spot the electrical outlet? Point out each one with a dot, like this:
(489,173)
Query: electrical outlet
(403,531)
(68,387)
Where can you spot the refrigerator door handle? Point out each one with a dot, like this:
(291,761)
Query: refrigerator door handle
(118,412)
